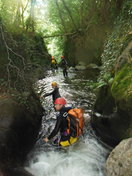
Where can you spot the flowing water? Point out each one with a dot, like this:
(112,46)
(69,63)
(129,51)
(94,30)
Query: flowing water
(87,156)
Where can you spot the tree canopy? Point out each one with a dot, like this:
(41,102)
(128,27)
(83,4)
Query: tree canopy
(29,27)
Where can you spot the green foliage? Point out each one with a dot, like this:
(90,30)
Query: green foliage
(28,55)
(122,86)
(45,16)
(23,51)
(96,21)
(106,80)
(118,40)
(114,46)
(26,22)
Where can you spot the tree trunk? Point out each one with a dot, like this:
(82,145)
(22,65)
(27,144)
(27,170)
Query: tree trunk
(32,16)
(70,15)
(23,10)
(61,17)
(18,20)
(119,4)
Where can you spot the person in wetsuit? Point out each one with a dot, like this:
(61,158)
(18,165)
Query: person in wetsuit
(61,124)
(54,63)
(55,93)
(64,65)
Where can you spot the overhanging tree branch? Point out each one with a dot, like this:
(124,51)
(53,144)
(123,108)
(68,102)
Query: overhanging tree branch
(60,35)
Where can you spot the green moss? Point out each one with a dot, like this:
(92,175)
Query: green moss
(118,40)
(122,86)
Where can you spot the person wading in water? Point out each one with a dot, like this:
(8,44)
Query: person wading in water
(68,134)
(55,93)
(63,65)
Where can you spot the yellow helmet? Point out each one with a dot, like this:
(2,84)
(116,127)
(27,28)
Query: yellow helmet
(54,84)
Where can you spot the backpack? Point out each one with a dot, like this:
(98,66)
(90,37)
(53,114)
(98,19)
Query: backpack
(75,122)
(53,61)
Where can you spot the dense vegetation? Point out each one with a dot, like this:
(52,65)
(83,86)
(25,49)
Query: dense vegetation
(83,27)
(95,32)
(79,29)
(23,51)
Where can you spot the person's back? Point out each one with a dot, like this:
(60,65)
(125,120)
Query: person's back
(63,65)
(55,93)
(63,62)
(63,115)
(54,63)
(62,124)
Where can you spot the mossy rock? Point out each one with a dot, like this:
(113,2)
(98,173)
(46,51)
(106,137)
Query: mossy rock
(122,87)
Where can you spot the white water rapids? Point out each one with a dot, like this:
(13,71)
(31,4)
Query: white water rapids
(87,156)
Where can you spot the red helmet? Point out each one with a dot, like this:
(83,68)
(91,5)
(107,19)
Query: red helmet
(60,101)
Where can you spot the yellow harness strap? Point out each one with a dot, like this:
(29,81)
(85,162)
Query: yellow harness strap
(68,142)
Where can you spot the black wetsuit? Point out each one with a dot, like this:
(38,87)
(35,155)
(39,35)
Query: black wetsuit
(63,64)
(61,125)
(55,94)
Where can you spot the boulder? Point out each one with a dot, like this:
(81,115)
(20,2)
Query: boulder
(83,66)
(71,69)
(119,162)
(82,63)
(19,128)
(92,66)
(80,67)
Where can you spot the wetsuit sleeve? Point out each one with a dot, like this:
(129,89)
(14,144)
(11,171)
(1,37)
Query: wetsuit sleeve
(48,94)
(56,129)
(65,62)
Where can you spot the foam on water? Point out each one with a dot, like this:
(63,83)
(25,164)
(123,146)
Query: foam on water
(86,158)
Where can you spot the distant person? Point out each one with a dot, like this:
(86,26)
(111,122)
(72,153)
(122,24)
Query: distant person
(55,93)
(54,63)
(64,65)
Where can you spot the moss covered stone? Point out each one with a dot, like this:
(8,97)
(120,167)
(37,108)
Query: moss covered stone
(122,87)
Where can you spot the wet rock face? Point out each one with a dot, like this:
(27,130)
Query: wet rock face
(112,128)
(104,105)
(119,162)
(113,124)
(114,103)
(16,172)
(19,129)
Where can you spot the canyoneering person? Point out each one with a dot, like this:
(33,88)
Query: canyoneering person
(69,123)
(55,93)
(64,66)
(54,63)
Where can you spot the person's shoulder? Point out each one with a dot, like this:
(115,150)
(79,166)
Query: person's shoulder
(56,89)
(66,109)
